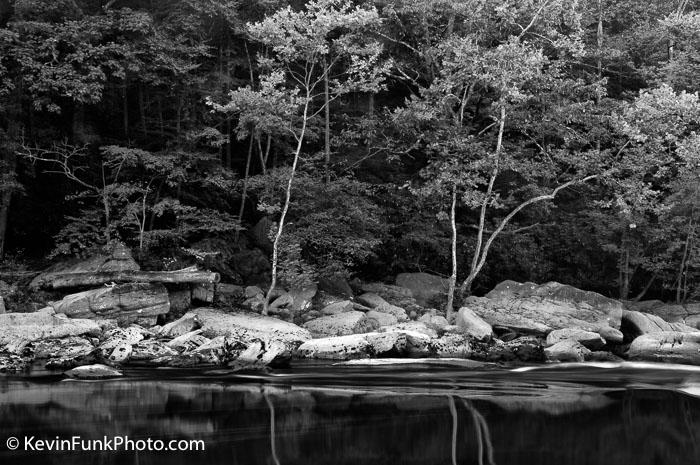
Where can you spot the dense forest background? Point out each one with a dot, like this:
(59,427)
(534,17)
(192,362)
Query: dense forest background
(478,139)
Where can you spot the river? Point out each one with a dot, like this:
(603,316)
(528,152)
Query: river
(442,413)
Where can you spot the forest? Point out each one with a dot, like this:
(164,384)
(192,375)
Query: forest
(278,142)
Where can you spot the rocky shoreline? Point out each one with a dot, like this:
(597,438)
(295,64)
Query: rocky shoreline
(93,333)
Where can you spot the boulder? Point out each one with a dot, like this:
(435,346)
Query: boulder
(247,327)
(203,293)
(188,341)
(451,346)
(436,322)
(588,339)
(149,350)
(11,363)
(126,303)
(259,354)
(567,350)
(667,346)
(412,326)
(539,309)
(252,291)
(252,265)
(377,303)
(336,348)
(524,349)
(185,324)
(381,319)
(471,324)
(688,314)
(228,295)
(427,289)
(335,308)
(67,347)
(44,324)
(341,324)
(284,300)
(94,372)
(395,295)
(398,343)
(302,297)
(121,337)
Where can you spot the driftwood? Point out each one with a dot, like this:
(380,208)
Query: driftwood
(68,280)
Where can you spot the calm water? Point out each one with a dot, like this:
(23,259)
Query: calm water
(333,415)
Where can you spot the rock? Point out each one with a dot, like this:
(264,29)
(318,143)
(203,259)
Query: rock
(260,354)
(302,297)
(603,356)
(203,293)
(255,304)
(116,257)
(93,372)
(43,324)
(451,345)
(567,350)
(524,349)
(150,349)
(253,291)
(2,305)
(335,308)
(122,339)
(228,295)
(186,324)
(588,339)
(247,327)
(635,324)
(121,353)
(412,326)
(188,341)
(395,295)
(611,335)
(341,324)
(261,233)
(398,343)
(471,324)
(436,322)
(377,303)
(282,301)
(381,319)
(67,347)
(688,314)
(124,302)
(667,346)
(11,363)
(336,348)
(531,309)
(335,286)
(252,265)
(428,290)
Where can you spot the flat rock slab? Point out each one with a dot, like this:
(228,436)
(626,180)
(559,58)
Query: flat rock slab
(44,324)
(539,309)
(246,327)
(341,324)
(667,346)
(94,372)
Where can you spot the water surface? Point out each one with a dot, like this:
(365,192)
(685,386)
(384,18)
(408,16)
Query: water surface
(335,415)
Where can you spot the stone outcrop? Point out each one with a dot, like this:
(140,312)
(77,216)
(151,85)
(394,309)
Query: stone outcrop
(667,346)
(126,303)
(340,324)
(688,314)
(471,324)
(44,324)
(588,339)
(394,343)
(539,309)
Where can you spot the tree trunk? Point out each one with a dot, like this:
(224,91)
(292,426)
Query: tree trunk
(241,210)
(288,194)
(327,123)
(682,271)
(69,280)
(449,308)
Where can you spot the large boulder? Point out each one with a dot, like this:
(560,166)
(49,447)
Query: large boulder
(427,289)
(247,327)
(116,257)
(667,346)
(342,306)
(335,286)
(94,372)
(395,295)
(688,314)
(635,324)
(471,324)
(539,309)
(126,303)
(336,348)
(588,339)
(567,350)
(375,302)
(44,324)
(340,324)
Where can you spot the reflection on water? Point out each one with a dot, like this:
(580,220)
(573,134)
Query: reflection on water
(349,415)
